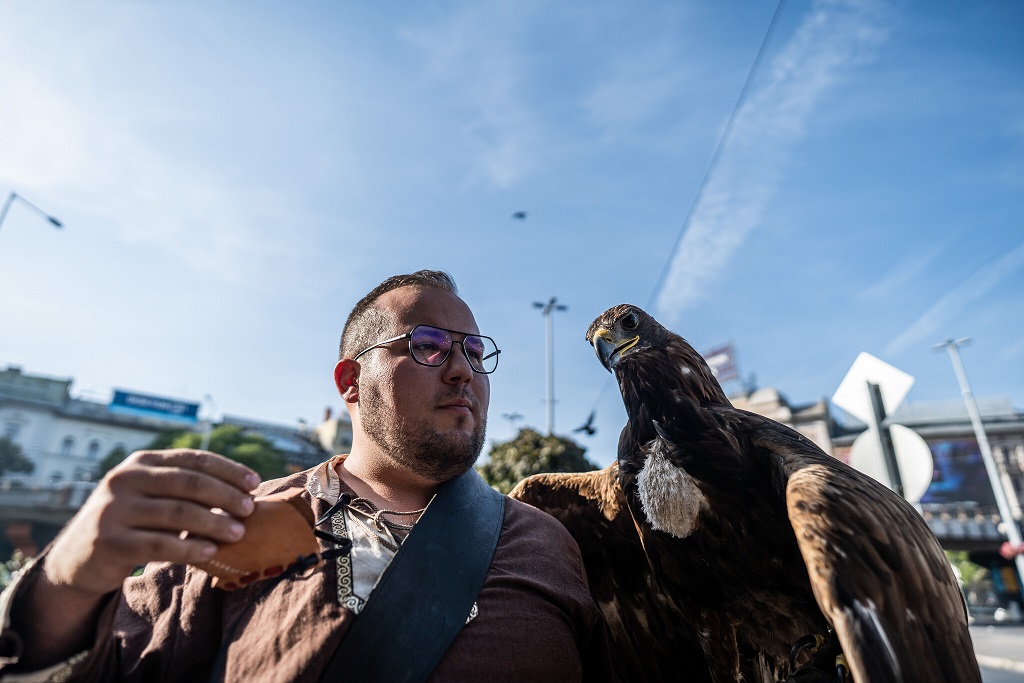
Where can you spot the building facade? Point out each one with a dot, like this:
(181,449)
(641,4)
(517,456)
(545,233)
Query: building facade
(66,438)
(959,504)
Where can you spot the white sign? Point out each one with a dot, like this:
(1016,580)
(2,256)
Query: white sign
(852,394)
(913,457)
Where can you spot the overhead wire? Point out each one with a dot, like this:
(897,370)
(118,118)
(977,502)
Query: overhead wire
(712,165)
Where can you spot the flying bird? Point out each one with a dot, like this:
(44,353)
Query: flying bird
(519,215)
(771,550)
(588,427)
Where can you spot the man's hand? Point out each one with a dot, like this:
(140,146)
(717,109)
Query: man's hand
(155,506)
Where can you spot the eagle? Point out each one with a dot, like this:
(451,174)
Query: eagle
(725,546)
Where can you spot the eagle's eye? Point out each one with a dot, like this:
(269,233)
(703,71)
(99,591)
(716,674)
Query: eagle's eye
(630,321)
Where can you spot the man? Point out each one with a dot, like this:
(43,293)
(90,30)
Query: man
(413,375)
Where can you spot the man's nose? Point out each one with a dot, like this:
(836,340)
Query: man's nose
(456,367)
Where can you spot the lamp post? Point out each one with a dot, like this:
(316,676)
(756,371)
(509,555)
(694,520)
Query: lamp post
(1012,532)
(211,409)
(547,309)
(10,200)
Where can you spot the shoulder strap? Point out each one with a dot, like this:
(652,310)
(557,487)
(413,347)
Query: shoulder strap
(424,597)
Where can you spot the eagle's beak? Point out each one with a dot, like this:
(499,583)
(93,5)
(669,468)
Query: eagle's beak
(609,350)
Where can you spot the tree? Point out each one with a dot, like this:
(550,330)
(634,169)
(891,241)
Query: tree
(532,453)
(252,450)
(12,459)
(110,461)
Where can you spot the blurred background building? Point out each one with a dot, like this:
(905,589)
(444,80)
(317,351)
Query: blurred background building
(64,439)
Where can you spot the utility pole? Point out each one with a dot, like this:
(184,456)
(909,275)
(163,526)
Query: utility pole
(1009,524)
(10,200)
(211,409)
(547,309)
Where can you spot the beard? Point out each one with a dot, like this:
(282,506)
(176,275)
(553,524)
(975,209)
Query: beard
(415,444)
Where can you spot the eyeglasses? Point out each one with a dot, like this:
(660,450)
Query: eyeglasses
(431,345)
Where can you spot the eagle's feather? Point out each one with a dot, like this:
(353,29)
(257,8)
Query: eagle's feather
(775,539)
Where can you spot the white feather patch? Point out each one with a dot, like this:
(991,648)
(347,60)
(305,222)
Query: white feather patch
(671,499)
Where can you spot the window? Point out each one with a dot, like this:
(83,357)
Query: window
(66,446)
(56,477)
(11,431)
(93,452)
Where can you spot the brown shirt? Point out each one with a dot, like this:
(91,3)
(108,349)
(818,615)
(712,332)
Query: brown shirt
(536,619)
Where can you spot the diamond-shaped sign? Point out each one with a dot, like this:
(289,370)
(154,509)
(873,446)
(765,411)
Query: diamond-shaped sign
(852,394)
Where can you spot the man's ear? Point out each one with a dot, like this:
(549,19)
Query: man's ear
(346,378)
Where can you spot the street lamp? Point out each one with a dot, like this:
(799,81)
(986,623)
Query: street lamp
(1012,532)
(547,309)
(10,200)
(211,410)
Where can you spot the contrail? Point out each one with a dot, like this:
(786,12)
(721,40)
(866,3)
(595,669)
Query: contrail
(833,38)
(973,288)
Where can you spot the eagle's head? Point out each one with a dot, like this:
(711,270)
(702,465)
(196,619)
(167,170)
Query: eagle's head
(627,333)
(622,331)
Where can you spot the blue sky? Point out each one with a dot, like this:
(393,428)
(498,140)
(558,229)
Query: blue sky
(233,177)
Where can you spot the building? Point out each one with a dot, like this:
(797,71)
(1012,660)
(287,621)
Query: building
(959,505)
(66,438)
(812,420)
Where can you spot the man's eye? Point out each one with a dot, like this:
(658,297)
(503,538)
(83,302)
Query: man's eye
(426,347)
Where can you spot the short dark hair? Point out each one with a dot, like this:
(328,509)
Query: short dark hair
(366,323)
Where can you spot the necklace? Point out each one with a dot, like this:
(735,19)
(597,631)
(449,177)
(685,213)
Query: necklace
(367,507)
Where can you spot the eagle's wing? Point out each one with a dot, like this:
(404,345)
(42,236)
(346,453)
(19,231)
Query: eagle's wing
(650,639)
(880,577)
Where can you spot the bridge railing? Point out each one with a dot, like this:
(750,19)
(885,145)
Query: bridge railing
(41,494)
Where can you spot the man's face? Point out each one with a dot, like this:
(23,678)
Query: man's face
(430,420)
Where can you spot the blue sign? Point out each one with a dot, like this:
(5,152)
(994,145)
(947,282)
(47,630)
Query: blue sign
(154,406)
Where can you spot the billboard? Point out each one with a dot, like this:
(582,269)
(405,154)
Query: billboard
(158,407)
(722,361)
(959,473)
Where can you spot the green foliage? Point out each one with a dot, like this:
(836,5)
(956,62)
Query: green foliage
(532,453)
(233,442)
(8,568)
(110,461)
(230,441)
(968,570)
(12,459)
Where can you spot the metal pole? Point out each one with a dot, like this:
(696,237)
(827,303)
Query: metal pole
(549,353)
(208,423)
(10,200)
(551,371)
(1012,532)
(885,439)
(7,206)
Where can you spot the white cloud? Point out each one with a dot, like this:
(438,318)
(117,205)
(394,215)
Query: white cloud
(831,39)
(112,154)
(911,268)
(638,86)
(953,302)
(474,58)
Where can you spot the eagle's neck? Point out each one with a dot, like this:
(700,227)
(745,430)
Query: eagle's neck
(670,388)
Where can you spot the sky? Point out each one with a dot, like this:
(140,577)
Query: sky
(232,177)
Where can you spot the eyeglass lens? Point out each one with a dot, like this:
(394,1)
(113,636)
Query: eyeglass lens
(431,346)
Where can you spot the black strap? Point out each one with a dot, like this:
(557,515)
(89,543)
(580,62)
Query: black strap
(425,594)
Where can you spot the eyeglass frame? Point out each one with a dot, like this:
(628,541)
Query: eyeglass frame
(448,353)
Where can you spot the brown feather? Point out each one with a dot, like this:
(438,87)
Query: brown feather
(650,639)
(761,538)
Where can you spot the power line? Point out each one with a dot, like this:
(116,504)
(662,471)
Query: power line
(718,151)
(744,91)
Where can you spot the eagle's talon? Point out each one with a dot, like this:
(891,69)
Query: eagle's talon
(813,640)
